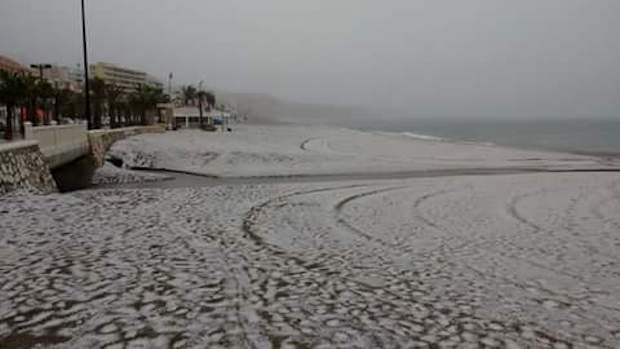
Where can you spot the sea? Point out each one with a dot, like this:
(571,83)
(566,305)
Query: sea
(601,137)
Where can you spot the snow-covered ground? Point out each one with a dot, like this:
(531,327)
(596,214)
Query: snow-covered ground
(526,260)
(109,174)
(304,150)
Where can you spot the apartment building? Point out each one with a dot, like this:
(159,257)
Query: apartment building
(127,79)
(65,77)
(12,66)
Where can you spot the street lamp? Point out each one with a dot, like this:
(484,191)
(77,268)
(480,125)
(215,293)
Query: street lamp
(200,95)
(86,82)
(40,67)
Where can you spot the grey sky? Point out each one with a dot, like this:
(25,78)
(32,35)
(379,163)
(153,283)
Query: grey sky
(493,58)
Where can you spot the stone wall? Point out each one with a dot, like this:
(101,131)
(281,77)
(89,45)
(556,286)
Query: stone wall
(101,140)
(22,167)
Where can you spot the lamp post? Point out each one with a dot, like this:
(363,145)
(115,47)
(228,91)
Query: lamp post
(40,67)
(86,82)
(200,95)
(170,76)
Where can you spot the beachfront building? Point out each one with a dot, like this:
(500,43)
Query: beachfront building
(128,79)
(12,66)
(187,117)
(65,77)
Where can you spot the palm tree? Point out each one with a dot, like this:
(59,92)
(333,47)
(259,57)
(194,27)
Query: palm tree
(124,108)
(113,93)
(44,92)
(31,92)
(146,98)
(69,104)
(12,91)
(97,88)
(64,103)
(188,94)
(210,100)
(202,95)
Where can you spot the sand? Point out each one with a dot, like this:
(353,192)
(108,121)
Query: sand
(463,261)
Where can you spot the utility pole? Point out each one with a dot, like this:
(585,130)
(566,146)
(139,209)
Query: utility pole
(170,86)
(200,95)
(86,82)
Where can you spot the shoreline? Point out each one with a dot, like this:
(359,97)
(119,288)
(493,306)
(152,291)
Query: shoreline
(432,138)
(580,136)
(264,151)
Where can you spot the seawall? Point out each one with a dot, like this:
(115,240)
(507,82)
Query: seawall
(36,166)
(22,167)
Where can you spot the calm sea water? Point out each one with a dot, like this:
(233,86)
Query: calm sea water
(585,136)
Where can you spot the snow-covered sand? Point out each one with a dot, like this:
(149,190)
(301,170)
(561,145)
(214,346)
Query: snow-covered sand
(512,261)
(526,260)
(109,175)
(304,150)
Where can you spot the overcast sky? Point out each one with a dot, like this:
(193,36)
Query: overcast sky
(459,58)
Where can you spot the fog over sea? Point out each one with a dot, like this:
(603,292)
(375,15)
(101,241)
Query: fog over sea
(580,136)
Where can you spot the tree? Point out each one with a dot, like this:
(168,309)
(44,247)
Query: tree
(113,93)
(12,92)
(210,100)
(202,96)
(31,92)
(124,108)
(97,89)
(44,91)
(188,94)
(145,98)
(64,103)
(70,104)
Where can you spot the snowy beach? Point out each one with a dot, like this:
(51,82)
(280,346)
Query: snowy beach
(505,255)
(310,150)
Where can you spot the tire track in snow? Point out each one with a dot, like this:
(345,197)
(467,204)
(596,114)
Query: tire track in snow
(248,227)
(387,297)
(255,211)
(304,144)
(424,198)
(418,203)
(568,213)
(512,209)
(339,219)
(472,244)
